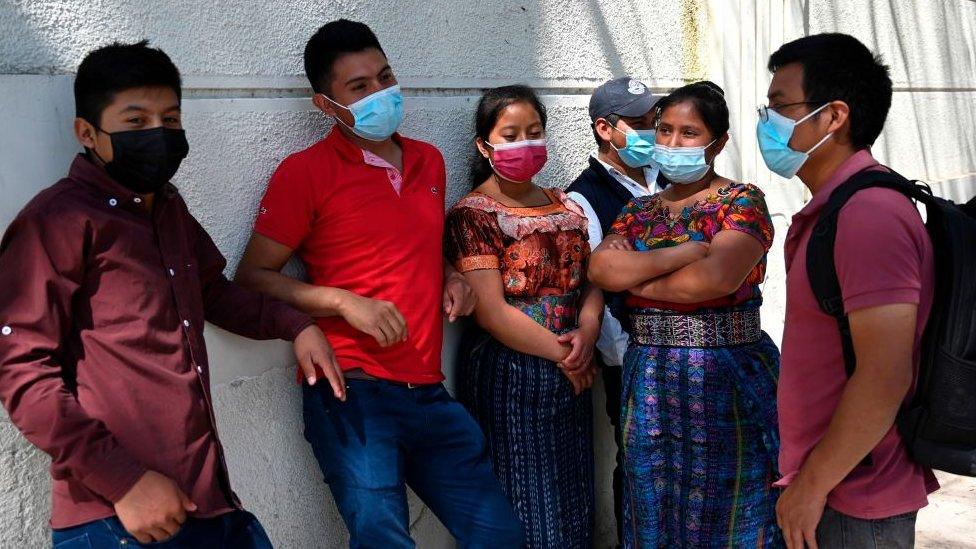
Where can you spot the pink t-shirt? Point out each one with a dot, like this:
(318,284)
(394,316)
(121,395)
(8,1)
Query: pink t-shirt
(883,256)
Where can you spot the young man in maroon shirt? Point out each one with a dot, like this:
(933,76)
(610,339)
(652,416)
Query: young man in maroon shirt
(828,101)
(364,210)
(105,283)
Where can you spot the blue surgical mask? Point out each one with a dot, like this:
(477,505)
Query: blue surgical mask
(774,135)
(377,116)
(639,148)
(682,165)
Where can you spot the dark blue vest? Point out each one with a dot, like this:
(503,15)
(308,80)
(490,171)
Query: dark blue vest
(605,194)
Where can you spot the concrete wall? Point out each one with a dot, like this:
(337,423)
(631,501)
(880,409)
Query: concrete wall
(246,107)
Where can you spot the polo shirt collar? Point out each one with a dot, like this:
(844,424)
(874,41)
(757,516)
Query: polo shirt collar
(803,220)
(859,161)
(352,152)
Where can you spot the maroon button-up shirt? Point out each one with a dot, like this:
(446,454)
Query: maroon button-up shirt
(103,364)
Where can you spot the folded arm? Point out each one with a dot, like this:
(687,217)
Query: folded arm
(260,269)
(618,270)
(731,257)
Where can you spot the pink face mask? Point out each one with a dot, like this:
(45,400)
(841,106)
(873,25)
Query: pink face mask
(519,161)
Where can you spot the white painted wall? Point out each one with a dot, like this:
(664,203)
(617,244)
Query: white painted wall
(246,108)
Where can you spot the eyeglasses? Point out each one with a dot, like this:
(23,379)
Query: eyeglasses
(763,110)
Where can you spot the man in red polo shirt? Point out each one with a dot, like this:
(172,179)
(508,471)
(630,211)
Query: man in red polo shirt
(828,101)
(364,210)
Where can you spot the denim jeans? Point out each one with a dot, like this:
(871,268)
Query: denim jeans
(234,530)
(840,531)
(386,437)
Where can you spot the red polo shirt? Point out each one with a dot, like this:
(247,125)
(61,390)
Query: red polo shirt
(360,225)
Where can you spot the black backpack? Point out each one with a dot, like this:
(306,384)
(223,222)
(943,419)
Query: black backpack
(939,423)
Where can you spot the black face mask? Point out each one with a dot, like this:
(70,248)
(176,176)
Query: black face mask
(145,160)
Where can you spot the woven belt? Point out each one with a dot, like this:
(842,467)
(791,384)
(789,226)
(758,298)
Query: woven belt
(658,328)
(555,312)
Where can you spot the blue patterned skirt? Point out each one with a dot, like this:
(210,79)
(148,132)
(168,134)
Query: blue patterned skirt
(539,434)
(700,441)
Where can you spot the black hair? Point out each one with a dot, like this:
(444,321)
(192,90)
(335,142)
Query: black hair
(612,119)
(329,43)
(119,67)
(708,99)
(490,107)
(838,67)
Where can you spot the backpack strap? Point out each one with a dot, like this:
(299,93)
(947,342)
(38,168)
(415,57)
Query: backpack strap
(821,268)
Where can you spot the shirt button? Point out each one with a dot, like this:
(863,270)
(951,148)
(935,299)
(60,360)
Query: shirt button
(6,330)
(172,272)
(186,323)
(199,369)
(137,200)
(113,202)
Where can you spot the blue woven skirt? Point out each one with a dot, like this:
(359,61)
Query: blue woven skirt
(700,445)
(539,434)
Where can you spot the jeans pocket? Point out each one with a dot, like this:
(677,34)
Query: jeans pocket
(311,402)
(177,540)
(253,536)
(439,393)
(895,532)
(78,542)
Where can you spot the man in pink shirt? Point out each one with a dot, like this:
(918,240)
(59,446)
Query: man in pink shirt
(849,481)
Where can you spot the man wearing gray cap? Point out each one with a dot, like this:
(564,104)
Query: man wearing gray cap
(622,114)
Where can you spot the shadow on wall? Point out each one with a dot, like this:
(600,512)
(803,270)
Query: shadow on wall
(36,143)
(36,147)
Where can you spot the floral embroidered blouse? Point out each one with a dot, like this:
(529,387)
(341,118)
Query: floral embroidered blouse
(540,251)
(649,225)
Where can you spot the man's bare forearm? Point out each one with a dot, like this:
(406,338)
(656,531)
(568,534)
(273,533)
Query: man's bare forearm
(318,301)
(883,344)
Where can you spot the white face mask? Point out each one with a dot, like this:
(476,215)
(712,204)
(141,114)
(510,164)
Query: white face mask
(682,165)
(377,116)
(774,134)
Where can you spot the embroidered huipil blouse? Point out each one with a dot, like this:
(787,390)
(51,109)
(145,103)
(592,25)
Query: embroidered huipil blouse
(540,251)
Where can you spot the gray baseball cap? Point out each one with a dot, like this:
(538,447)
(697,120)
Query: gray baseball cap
(621,96)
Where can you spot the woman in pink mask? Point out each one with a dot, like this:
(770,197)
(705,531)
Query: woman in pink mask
(525,369)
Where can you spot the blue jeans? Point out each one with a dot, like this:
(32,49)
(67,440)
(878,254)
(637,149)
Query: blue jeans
(839,531)
(234,530)
(385,437)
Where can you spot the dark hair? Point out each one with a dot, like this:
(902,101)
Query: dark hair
(119,67)
(490,107)
(708,99)
(330,42)
(612,119)
(838,67)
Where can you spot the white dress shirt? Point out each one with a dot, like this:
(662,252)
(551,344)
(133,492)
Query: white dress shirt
(613,340)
